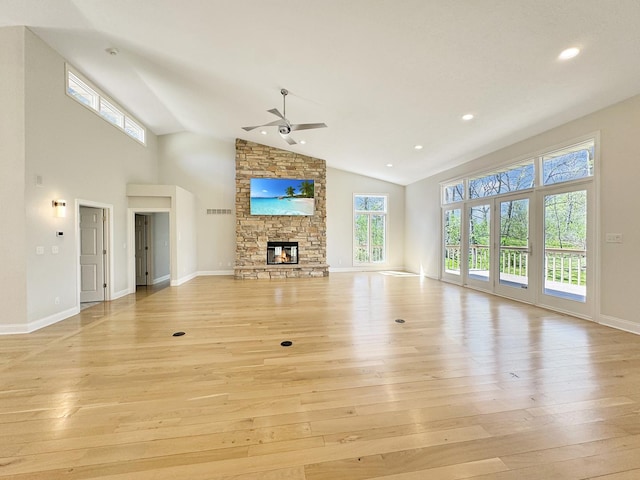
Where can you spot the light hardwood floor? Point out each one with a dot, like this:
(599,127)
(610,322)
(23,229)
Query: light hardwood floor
(470,386)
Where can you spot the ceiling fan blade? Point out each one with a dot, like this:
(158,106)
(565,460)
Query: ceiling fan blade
(289,140)
(276,113)
(271,124)
(307,126)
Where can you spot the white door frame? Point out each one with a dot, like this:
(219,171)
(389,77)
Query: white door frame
(108,242)
(131,236)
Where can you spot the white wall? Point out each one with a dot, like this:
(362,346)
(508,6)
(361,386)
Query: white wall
(619,206)
(341,186)
(206,167)
(186,231)
(78,156)
(13,278)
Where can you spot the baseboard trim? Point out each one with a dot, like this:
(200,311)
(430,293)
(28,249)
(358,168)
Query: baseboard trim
(365,269)
(15,329)
(185,279)
(164,278)
(121,293)
(620,324)
(207,273)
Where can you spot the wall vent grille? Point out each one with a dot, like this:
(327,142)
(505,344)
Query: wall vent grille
(219,211)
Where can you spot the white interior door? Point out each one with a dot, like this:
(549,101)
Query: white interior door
(91,255)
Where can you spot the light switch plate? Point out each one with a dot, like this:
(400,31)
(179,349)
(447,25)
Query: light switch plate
(613,238)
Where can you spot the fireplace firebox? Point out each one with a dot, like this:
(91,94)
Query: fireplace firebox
(282,253)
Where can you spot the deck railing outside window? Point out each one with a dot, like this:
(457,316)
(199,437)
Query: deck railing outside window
(562,265)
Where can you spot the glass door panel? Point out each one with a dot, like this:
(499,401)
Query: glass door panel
(452,238)
(479,245)
(565,245)
(514,249)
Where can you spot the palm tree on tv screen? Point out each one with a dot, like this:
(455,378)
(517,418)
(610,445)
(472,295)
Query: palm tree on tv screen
(306,189)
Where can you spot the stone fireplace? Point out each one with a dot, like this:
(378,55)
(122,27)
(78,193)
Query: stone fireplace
(255,233)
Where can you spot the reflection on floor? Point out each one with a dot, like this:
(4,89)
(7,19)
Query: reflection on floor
(146,290)
(84,305)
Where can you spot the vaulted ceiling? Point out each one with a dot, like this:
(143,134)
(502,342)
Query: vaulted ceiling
(384,75)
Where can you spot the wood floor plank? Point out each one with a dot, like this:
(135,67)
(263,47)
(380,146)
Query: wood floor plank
(470,386)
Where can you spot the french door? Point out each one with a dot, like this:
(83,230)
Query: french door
(567,271)
(515,259)
(529,246)
(478,247)
(452,228)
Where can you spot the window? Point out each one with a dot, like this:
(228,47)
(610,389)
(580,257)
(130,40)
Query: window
(80,90)
(83,93)
(453,192)
(511,179)
(370,228)
(571,163)
(536,249)
(111,114)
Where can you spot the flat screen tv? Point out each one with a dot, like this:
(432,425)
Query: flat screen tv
(282,196)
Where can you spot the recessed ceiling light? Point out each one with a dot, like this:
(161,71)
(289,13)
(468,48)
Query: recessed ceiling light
(389,164)
(569,53)
(263,132)
(303,142)
(468,116)
(418,147)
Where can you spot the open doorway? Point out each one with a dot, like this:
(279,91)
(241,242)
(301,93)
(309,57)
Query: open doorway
(152,251)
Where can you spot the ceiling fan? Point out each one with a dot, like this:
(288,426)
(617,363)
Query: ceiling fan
(285,127)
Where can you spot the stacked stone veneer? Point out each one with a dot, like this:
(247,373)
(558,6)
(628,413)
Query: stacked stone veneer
(254,231)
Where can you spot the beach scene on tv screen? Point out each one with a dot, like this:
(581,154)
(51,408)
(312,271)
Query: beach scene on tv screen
(282,196)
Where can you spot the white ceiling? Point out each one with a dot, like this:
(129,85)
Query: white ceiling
(384,75)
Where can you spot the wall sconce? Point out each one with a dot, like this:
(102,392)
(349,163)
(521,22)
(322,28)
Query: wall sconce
(59,208)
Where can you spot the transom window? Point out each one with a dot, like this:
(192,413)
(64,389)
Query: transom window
(571,163)
(511,179)
(370,228)
(567,164)
(453,192)
(88,95)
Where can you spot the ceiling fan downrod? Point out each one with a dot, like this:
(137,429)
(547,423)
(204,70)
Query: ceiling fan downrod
(284,93)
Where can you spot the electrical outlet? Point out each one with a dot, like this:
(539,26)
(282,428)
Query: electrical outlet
(39,250)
